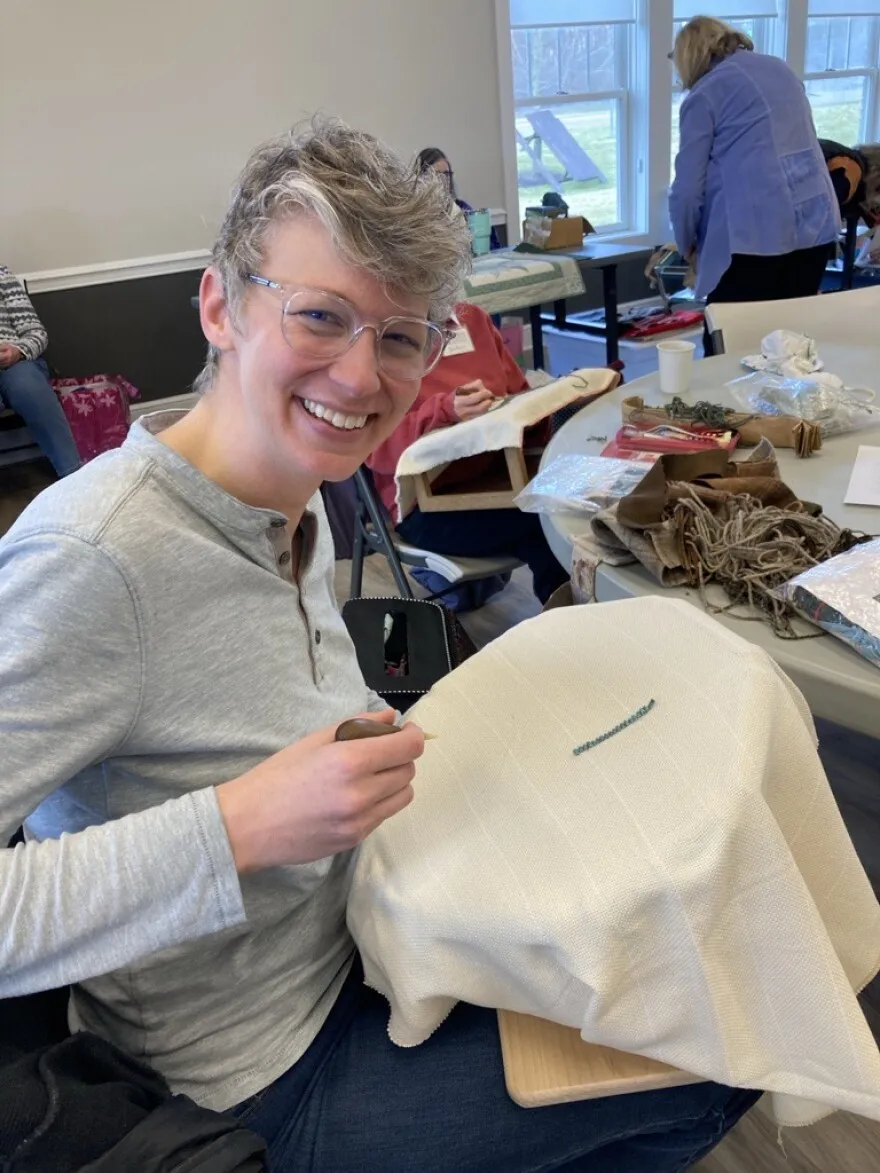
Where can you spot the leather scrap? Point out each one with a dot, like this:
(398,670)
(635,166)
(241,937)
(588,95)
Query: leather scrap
(781,430)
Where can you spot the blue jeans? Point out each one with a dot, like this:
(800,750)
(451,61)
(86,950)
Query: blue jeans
(487,533)
(356,1103)
(25,387)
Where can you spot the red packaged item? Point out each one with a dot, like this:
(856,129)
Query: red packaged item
(632,443)
(663,322)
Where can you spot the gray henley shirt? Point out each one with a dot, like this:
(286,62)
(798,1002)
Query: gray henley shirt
(154,643)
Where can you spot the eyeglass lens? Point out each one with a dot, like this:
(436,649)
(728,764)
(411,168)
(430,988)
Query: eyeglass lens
(324,326)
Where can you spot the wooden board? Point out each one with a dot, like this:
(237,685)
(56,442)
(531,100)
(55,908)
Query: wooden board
(549,1064)
(488,492)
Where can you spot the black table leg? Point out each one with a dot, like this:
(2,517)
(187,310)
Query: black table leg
(849,252)
(559,314)
(612,326)
(537,337)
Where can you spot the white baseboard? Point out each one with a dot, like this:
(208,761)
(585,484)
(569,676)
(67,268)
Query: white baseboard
(50,280)
(106,272)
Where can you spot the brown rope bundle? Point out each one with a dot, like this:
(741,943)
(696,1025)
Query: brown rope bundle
(751,549)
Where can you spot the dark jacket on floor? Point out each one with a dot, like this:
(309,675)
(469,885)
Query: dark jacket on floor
(80,1105)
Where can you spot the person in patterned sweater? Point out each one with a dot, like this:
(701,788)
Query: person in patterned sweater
(24,376)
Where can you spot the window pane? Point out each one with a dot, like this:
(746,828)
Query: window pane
(578,59)
(860,42)
(839,42)
(544,62)
(519,51)
(595,128)
(818,36)
(838,104)
(591,57)
(575,65)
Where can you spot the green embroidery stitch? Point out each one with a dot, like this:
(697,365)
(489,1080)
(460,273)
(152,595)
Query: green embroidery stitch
(631,720)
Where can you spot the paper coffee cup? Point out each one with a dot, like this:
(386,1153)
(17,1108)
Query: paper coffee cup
(676,365)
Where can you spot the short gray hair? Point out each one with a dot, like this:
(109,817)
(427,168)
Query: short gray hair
(382,215)
(703,41)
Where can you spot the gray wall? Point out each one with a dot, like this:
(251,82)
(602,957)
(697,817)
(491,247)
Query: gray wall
(123,123)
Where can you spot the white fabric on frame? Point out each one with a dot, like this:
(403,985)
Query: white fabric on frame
(501,428)
(685,890)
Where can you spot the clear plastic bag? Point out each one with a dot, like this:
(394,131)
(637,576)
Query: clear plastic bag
(840,596)
(821,399)
(581,484)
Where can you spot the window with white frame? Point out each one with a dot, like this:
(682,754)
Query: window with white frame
(842,73)
(573,66)
(587,95)
(758,19)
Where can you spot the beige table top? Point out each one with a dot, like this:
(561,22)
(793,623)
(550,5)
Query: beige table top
(838,684)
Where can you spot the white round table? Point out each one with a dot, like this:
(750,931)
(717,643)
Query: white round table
(839,685)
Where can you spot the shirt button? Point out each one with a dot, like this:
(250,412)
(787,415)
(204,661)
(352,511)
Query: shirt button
(284,558)
(318,636)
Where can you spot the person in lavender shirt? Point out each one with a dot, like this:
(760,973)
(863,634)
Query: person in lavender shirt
(752,202)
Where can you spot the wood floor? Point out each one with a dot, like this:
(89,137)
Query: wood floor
(19,484)
(839,1144)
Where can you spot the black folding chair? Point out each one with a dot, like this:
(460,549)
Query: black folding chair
(374,533)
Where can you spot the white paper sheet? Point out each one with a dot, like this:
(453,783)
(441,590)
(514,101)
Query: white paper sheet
(864,485)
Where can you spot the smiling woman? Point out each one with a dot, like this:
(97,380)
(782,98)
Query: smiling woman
(331,276)
(187,740)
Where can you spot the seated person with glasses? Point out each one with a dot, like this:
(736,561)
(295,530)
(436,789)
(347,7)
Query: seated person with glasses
(433,159)
(189,815)
(474,371)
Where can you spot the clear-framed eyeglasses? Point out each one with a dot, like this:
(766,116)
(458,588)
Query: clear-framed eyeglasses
(324,326)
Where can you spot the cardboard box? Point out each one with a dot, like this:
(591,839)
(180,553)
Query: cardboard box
(548,232)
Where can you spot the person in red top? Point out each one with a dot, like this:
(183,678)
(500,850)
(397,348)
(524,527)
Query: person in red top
(475,370)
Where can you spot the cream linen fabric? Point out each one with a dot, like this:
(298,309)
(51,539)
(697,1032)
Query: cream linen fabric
(685,891)
(501,428)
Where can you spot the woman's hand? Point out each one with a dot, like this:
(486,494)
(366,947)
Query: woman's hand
(472,400)
(319,796)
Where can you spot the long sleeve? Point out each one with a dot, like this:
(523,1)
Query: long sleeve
(688,193)
(28,332)
(105,895)
(514,378)
(429,412)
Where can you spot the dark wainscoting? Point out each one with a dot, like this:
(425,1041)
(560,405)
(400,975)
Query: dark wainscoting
(144,329)
(147,330)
